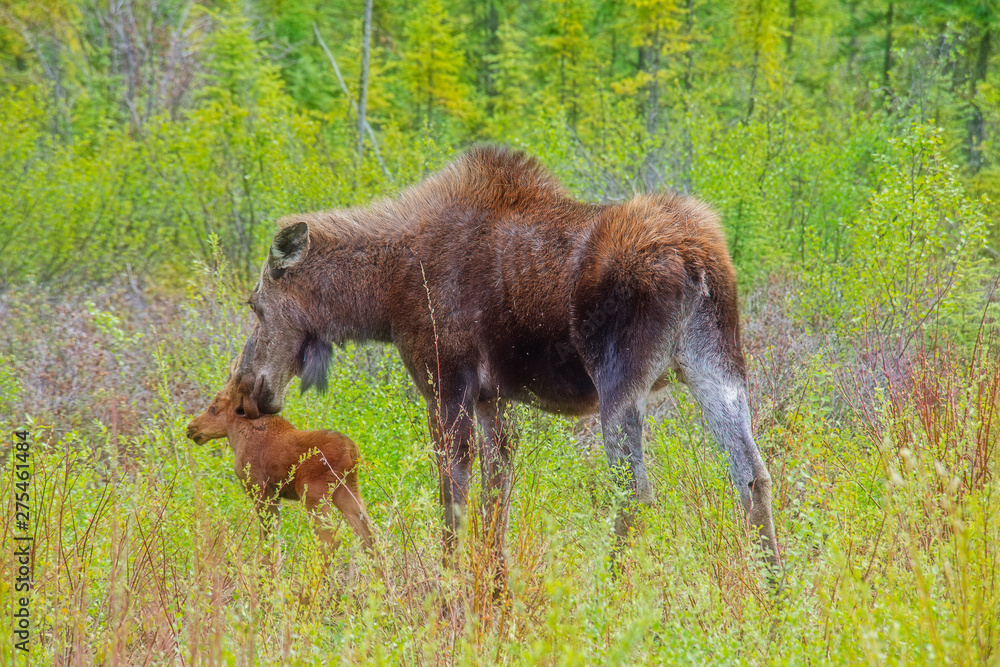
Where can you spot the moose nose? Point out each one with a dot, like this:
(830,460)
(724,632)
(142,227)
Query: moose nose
(251,395)
(244,383)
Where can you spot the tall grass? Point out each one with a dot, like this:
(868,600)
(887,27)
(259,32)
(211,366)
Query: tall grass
(147,550)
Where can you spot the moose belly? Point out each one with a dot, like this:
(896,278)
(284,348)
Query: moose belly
(549,376)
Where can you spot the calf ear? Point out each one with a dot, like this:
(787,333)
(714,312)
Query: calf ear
(316,357)
(288,248)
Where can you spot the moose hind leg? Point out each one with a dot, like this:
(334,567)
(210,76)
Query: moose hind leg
(722,396)
(621,426)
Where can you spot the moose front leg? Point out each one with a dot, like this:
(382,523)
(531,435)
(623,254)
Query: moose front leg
(496,460)
(451,428)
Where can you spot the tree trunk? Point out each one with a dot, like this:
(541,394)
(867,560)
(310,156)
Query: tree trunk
(887,62)
(790,38)
(347,94)
(650,174)
(753,84)
(653,69)
(756,62)
(363,91)
(614,54)
(688,72)
(430,88)
(977,125)
(491,47)
(562,79)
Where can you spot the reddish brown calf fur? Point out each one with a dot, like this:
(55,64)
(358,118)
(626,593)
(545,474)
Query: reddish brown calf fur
(495,286)
(271,459)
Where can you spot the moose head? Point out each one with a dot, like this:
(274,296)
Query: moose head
(286,340)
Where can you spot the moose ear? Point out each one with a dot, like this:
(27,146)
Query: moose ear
(288,248)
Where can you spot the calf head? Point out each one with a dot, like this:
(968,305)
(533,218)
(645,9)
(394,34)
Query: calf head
(215,420)
(286,340)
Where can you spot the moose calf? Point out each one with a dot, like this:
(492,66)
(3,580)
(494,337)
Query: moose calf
(275,460)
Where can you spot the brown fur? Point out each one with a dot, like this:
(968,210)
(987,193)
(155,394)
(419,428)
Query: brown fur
(275,460)
(495,285)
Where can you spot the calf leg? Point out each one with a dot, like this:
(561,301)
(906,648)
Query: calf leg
(317,501)
(267,509)
(495,461)
(722,395)
(347,498)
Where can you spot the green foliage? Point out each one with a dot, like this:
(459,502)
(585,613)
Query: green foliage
(147,548)
(239,71)
(510,72)
(759,30)
(432,65)
(851,151)
(231,116)
(565,47)
(915,252)
(10,388)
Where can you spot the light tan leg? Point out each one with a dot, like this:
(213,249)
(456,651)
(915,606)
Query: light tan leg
(347,498)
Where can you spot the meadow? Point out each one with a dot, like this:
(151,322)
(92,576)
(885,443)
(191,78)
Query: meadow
(147,551)
(148,149)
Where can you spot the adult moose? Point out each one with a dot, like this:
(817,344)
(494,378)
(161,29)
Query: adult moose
(495,286)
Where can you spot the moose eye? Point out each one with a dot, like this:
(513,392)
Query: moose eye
(256,311)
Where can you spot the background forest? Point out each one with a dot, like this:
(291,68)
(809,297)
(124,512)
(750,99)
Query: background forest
(853,152)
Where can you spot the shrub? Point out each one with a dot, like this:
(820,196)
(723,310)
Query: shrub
(912,257)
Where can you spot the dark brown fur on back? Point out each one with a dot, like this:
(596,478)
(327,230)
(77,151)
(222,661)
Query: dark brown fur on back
(522,278)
